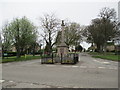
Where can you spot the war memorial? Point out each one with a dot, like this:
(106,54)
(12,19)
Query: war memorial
(62,56)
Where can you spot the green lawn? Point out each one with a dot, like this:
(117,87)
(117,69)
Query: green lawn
(22,58)
(108,56)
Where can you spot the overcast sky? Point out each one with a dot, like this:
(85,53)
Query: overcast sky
(77,11)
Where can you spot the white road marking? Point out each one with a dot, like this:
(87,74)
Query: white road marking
(97,61)
(66,66)
(101,67)
(50,65)
(101,62)
(83,66)
(75,66)
(75,87)
(48,86)
(106,62)
(59,87)
(31,84)
(10,81)
(2,81)
(113,68)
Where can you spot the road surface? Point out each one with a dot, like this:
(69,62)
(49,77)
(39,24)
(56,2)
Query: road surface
(88,73)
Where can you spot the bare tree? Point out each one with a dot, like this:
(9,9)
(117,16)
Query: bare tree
(49,24)
(108,20)
(94,34)
(102,29)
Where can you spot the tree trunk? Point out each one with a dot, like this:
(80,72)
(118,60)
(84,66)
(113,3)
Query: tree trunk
(2,53)
(34,50)
(50,49)
(18,51)
(98,48)
(105,48)
(18,41)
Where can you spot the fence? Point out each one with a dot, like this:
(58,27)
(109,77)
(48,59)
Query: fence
(53,58)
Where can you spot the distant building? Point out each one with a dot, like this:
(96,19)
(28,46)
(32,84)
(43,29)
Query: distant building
(117,43)
(110,47)
(13,49)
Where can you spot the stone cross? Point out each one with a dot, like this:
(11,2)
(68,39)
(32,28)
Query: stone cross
(62,49)
(62,36)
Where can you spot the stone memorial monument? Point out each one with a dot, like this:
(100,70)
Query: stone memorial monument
(62,49)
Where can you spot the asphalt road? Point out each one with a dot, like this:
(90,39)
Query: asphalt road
(88,73)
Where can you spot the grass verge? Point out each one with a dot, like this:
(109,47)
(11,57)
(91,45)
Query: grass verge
(108,56)
(22,58)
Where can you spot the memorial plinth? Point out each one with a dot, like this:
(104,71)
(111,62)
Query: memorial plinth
(62,49)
